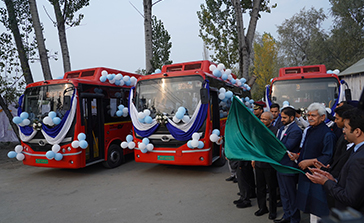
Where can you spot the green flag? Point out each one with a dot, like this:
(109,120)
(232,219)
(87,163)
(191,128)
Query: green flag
(247,138)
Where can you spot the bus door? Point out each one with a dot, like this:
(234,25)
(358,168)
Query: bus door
(93,120)
(215,120)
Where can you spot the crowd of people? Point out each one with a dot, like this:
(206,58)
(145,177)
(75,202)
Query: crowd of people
(332,157)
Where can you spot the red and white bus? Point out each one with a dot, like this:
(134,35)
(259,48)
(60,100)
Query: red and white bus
(75,121)
(191,91)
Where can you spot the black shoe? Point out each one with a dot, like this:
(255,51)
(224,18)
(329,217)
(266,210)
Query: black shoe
(235,180)
(260,212)
(253,196)
(238,201)
(243,205)
(231,178)
(238,193)
(272,216)
(282,220)
(279,204)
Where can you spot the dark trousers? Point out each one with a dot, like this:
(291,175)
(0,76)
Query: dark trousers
(288,188)
(246,180)
(266,177)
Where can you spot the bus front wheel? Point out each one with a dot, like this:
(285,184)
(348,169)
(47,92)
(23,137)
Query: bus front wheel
(115,157)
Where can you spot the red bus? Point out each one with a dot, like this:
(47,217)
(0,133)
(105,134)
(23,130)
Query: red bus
(183,107)
(303,85)
(75,121)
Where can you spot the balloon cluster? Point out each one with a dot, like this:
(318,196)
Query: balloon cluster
(81,142)
(123,111)
(54,153)
(195,143)
(157,71)
(225,74)
(17,153)
(336,71)
(129,142)
(215,136)
(118,79)
(225,95)
(145,145)
(181,115)
(22,120)
(51,119)
(144,117)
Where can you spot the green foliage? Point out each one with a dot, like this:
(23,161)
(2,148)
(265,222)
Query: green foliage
(265,60)
(141,71)
(69,10)
(161,44)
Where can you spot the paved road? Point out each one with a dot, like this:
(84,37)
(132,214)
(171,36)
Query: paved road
(133,192)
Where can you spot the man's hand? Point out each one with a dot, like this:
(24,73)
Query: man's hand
(319,165)
(292,156)
(253,163)
(324,173)
(304,164)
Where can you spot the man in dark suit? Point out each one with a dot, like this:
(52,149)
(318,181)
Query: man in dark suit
(274,109)
(348,188)
(290,135)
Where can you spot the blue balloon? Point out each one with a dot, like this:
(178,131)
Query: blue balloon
(110,76)
(233,81)
(145,141)
(200,145)
(103,78)
(12,154)
(50,154)
(117,82)
(58,156)
(217,73)
(285,103)
(224,76)
(129,138)
(248,88)
(251,101)
(148,119)
(157,71)
(247,98)
(119,113)
(81,136)
(128,83)
(242,80)
(228,94)
(17,120)
(179,115)
(24,115)
(216,131)
(189,144)
(83,144)
(142,120)
(144,150)
(121,107)
(52,114)
(56,120)
(182,110)
(330,72)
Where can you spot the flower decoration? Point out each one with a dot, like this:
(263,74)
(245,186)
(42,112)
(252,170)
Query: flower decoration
(161,118)
(37,125)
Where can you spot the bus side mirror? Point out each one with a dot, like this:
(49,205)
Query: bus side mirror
(66,103)
(348,94)
(204,94)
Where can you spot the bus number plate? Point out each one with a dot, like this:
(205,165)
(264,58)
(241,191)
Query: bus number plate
(44,161)
(170,158)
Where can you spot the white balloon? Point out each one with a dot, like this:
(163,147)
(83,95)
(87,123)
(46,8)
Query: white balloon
(176,120)
(20,156)
(142,146)
(196,136)
(229,76)
(141,115)
(221,96)
(104,73)
(186,119)
(18,149)
(56,148)
(112,81)
(75,144)
(124,145)
(220,66)
(118,77)
(146,112)
(336,71)
(194,143)
(212,67)
(214,138)
(48,120)
(150,147)
(222,90)
(131,145)
(228,72)
(26,122)
(125,110)
(121,83)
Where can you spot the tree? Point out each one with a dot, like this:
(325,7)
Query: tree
(222,30)
(161,44)
(43,54)
(148,35)
(297,35)
(265,60)
(66,16)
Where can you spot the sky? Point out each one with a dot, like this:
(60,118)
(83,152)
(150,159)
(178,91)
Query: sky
(112,32)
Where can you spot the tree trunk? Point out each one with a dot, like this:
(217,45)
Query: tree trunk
(148,35)
(62,35)
(10,117)
(40,40)
(13,23)
(241,36)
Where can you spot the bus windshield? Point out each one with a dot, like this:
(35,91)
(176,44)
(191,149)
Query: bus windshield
(300,93)
(166,95)
(39,101)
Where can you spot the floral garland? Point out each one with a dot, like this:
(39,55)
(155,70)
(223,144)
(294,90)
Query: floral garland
(37,125)
(161,119)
